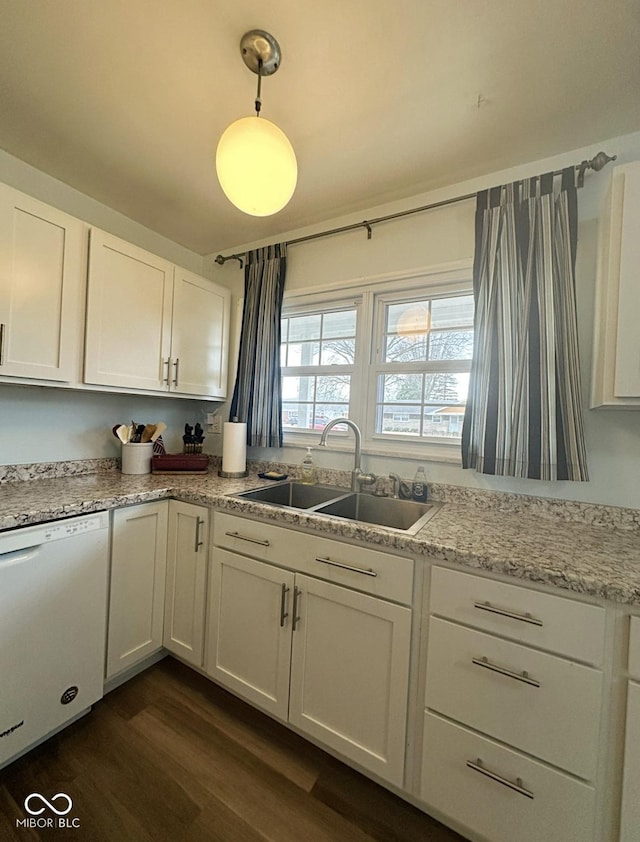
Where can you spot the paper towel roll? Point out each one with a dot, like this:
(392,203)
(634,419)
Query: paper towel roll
(234,448)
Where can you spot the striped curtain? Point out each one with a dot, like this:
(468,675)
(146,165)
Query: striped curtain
(257,396)
(524,410)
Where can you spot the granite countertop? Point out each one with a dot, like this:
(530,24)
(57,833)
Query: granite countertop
(521,541)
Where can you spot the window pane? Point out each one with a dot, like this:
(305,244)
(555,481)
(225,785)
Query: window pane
(451,312)
(304,353)
(405,349)
(290,414)
(333,388)
(340,323)
(408,318)
(445,422)
(398,420)
(298,388)
(446,387)
(400,387)
(450,345)
(284,327)
(304,327)
(338,352)
(326,412)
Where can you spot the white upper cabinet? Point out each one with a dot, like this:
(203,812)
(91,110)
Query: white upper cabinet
(199,335)
(151,325)
(42,259)
(128,339)
(616,361)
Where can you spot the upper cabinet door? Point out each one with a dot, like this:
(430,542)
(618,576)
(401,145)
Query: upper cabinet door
(128,315)
(616,357)
(200,336)
(42,254)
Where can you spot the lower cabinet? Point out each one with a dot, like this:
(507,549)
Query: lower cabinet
(331,661)
(630,817)
(185,599)
(136,606)
(513,698)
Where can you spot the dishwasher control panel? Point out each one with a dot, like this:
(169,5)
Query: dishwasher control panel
(24,537)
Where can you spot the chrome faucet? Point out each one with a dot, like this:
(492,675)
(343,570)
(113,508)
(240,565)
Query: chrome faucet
(357,476)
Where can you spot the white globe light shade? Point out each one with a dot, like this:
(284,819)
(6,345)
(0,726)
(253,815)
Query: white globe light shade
(256,166)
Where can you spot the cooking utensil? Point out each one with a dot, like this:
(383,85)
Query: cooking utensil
(160,428)
(147,432)
(121,432)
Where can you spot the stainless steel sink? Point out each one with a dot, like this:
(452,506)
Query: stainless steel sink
(405,515)
(294,494)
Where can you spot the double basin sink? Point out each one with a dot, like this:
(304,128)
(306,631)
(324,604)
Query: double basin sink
(404,515)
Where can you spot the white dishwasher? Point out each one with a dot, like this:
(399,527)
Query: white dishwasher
(53,613)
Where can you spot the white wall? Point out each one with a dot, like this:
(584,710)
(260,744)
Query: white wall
(45,424)
(446,235)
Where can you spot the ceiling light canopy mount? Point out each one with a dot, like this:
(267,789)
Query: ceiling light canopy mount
(256,165)
(259,46)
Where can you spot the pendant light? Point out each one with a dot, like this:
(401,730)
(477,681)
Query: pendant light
(255,162)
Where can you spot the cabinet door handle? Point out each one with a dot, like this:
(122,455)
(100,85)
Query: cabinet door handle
(478,766)
(283,602)
(168,365)
(2,329)
(518,676)
(175,372)
(513,615)
(198,544)
(297,593)
(246,538)
(366,571)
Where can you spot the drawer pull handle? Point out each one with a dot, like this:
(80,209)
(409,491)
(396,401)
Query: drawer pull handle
(513,615)
(519,676)
(478,766)
(246,538)
(366,571)
(283,602)
(2,329)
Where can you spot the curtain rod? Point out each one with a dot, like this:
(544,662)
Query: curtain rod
(596,163)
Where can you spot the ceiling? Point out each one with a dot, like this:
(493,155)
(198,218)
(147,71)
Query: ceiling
(125,100)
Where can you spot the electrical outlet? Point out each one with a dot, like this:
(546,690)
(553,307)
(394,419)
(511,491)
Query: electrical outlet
(216,424)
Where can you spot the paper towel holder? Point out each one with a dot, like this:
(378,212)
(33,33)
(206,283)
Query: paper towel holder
(233,474)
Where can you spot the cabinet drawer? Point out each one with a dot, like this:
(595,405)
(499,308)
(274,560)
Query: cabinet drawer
(557,809)
(538,619)
(634,648)
(536,702)
(369,571)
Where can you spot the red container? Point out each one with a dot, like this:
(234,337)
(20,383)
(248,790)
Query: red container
(170,462)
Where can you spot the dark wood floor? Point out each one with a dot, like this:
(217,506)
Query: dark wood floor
(170,756)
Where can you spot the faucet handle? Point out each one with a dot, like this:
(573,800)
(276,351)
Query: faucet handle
(367,479)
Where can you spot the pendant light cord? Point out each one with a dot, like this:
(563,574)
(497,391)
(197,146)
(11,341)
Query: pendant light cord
(258,97)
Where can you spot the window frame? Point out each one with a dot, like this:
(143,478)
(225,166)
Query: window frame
(366,296)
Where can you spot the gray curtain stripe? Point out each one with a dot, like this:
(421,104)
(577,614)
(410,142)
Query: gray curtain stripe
(524,410)
(257,396)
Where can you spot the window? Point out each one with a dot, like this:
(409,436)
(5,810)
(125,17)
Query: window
(421,372)
(317,359)
(396,361)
